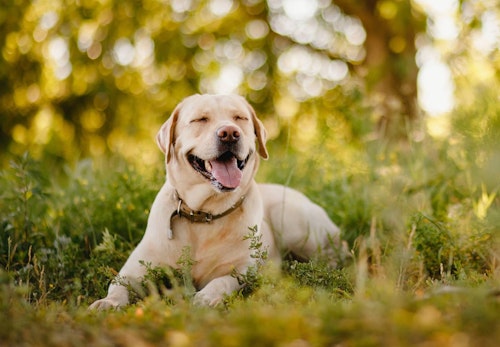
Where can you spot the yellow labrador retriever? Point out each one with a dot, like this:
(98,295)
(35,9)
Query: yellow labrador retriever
(212,145)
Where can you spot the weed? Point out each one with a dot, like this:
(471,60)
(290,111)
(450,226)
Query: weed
(319,274)
(446,254)
(185,264)
(253,277)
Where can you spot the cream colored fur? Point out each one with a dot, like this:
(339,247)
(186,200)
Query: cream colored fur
(287,220)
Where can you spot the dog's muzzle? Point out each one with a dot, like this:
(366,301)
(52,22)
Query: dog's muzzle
(224,172)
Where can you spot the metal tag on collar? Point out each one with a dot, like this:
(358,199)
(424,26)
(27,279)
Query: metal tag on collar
(209,218)
(170,232)
(179,207)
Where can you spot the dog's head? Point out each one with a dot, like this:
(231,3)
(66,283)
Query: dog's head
(217,137)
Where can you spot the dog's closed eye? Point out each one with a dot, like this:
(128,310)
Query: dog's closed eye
(203,119)
(238,117)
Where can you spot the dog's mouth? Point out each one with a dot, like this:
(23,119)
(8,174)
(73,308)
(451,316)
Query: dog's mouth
(224,172)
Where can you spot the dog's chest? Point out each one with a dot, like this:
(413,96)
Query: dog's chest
(216,248)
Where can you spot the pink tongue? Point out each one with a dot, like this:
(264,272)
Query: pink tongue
(227,172)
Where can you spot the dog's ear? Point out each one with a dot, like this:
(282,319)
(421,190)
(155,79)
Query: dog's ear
(166,135)
(260,132)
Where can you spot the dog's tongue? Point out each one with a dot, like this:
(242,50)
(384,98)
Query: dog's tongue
(226,172)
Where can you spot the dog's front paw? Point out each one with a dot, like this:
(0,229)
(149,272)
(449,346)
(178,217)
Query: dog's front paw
(104,304)
(207,298)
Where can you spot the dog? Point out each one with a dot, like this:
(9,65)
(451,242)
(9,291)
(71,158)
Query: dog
(212,146)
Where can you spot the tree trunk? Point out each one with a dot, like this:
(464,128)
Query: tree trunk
(389,68)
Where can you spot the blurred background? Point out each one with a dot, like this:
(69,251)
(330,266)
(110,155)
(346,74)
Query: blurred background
(90,78)
(385,112)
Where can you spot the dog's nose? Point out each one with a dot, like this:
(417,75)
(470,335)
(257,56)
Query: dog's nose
(228,133)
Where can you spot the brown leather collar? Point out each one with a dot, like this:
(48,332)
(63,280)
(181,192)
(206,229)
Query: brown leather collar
(200,216)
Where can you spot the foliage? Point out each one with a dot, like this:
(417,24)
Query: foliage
(56,235)
(91,78)
(319,274)
(252,278)
(421,221)
(276,315)
(447,252)
(421,218)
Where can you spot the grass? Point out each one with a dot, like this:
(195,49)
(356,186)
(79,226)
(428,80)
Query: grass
(422,220)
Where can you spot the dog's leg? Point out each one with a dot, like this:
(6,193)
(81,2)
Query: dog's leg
(320,236)
(299,225)
(130,274)
(152,249)
(213,293)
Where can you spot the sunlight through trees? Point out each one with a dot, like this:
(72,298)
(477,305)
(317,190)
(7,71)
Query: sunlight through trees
(89,78)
